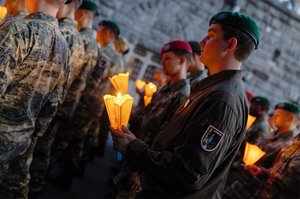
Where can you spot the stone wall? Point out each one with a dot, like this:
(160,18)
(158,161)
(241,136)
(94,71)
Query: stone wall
(151,23)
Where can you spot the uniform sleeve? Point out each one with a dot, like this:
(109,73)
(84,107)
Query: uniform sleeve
(12,47)
(287,182)
(192,161)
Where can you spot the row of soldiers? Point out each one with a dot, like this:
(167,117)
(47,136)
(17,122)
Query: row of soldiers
(53,80)
(277,134)
(54,73)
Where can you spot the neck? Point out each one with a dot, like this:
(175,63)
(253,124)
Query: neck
(227,64)
(85,24)
(46,8)
(178,76)
(69,15)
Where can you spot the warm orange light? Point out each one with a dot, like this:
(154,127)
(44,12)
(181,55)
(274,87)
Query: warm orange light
(252,154)
(120,82)
(3,12)
(147,100)
(139,84)
(118,109)
(250,121)
(150,89)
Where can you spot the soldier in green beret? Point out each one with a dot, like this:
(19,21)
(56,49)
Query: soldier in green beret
(283,177)
(34,70)
(259,130)
(197,70)
(192,154)
(41,156)
(286,119)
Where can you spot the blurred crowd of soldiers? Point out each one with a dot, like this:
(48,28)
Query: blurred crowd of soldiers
(53,75)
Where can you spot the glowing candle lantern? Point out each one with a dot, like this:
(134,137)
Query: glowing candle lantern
(3,12)
(150,89)
(120,82)
(147,100)
(139,84)
(118,109)
(250,121)
(252,154)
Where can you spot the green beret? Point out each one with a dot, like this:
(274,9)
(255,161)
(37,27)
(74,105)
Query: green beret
(239,21)
(89,5)
(111,25)
(69,1)
(195,47)
(261,100)
(291,107)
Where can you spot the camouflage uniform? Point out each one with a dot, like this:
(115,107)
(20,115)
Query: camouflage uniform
(41,156)
(279,182)
(164,103)
(34,67)
(284,179)
(278,141)
(77,110)
(259,132)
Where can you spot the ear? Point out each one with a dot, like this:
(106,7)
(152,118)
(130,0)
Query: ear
(232,43)
(181,60)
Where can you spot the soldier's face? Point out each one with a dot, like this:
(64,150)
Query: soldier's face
(213,46)
(171,63)
(283,118)
(100,35)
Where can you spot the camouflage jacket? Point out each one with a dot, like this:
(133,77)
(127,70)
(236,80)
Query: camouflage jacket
(163,104)
(284,176)
(33,59)
(107,66)
(91,54)
(258,132)
(278,141)
(67,27)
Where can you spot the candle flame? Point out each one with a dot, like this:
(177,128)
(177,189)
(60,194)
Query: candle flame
(119,95)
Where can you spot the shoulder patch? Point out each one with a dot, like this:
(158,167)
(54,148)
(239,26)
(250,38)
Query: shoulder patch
(211,139)
(1,50)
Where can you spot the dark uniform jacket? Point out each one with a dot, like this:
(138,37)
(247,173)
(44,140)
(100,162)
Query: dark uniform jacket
(191,157)
(163,104)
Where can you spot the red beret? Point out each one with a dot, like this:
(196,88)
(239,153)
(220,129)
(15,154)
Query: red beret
(249,95)
(176,45)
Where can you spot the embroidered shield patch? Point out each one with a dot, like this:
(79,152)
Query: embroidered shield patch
(211,138)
